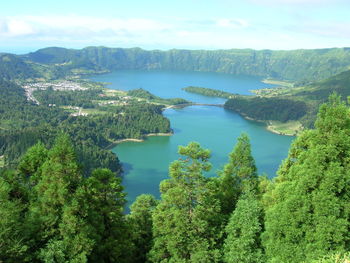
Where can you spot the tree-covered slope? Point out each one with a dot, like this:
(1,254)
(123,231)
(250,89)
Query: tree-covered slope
(339,83)
(22,124)
(12,67)
(300,103)
(268,108)
(297,65)
(51,212)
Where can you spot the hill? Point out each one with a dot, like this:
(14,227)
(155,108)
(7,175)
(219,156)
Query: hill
(12,67)
(296,65)
(299,103)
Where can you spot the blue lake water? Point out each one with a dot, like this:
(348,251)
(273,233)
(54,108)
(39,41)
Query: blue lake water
(169,84)
(146,163)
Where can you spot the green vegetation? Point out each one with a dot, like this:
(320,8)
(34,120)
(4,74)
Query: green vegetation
(243,242)
(285,128)
(186,222)
(23,124)
(60,203)
(149,97)
(2,161)
(209,92)
(238,176)
(296,65)
(54,214)
(302,102)
(304,214)
(14,68)
(264,109)
(295,70)
(279,83)
(50,212)
(73,98)
(334,258)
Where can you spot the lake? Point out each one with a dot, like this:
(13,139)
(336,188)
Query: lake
(146,164)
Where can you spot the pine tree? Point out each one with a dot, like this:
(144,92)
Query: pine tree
(60,176)
(186,221)
(243,242)
(238,175)
(32,161)
(140,219)
(309,211)
(13,246)
(104,199)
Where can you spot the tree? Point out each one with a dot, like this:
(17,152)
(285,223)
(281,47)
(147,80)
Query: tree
(13,245)
(140,219)
(238,175)
(104,198)
(308,213)
(32,161)
(243,242)
(186,223)
(59,180)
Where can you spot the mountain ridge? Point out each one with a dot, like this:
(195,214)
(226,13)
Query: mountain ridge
(302,65)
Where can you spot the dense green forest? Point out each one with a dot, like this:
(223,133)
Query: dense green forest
(50,212)
(268,108)
(61,198)
(22,124)
(296,65)
(73,98)
(299,103)
(13,67)
(144,94)
(209,92)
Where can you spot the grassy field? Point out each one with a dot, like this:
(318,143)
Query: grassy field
(113,92)
(93,111)
(279,83)
(2,161)
(287,128)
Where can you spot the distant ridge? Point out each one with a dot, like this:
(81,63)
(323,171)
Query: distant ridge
(295,65)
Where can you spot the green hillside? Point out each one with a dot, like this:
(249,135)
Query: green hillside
(296,65)
(300,103)
(13,67)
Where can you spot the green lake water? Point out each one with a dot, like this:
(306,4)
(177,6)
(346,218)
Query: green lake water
(146,164)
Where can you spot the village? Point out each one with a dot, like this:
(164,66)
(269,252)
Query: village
(61,86)
(120,97)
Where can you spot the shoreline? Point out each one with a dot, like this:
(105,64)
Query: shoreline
(268,126)
(271,129)
(116,142)
(276,82)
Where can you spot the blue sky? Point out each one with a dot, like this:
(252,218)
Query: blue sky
(160,24)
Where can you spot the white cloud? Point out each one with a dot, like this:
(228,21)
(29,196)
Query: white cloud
(15,27)
(74,26)
(80,31)
(330,30)
(94,23)
(231,23)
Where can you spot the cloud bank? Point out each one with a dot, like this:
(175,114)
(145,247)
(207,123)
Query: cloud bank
(225,32)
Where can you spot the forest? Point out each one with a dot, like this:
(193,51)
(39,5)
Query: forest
(23,124)
(267,108)
(144,94)
(61,198)
(298,103)
(209,92)
(51,212)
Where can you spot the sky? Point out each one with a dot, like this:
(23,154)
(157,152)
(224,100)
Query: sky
(27,25)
